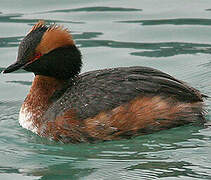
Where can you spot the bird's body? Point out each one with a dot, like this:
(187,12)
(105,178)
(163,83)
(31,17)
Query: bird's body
(101,105)
(109,104)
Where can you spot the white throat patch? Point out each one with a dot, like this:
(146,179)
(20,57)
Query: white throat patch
(26,120)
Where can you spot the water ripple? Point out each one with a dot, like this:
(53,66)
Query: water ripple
(138,32)
(95,9)
(18,18)
(162,49)
(176,21)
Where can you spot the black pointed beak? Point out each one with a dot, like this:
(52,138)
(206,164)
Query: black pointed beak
(13,67)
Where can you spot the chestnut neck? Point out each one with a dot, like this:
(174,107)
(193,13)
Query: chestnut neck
(45,84)
(38,99)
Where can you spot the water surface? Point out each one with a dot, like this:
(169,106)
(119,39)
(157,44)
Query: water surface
(173,36)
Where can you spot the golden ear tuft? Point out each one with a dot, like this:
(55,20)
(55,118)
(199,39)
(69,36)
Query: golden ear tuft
(41,23)
(54,37)
(56,27)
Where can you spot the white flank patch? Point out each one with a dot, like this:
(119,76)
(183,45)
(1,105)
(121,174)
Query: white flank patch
(26,120)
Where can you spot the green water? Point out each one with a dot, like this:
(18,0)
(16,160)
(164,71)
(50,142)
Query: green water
(171,35)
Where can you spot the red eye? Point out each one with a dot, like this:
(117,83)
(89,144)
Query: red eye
(37,55)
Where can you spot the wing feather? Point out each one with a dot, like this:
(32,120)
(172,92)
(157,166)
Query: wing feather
(103,90)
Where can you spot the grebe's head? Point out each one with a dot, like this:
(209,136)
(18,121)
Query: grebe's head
(48,51)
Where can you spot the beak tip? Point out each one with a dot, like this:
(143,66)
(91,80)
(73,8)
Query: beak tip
(12,68)
(3,72)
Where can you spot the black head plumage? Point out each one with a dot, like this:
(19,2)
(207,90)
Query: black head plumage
(62,62)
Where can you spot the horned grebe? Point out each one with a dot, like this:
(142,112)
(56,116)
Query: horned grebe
(107,104)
